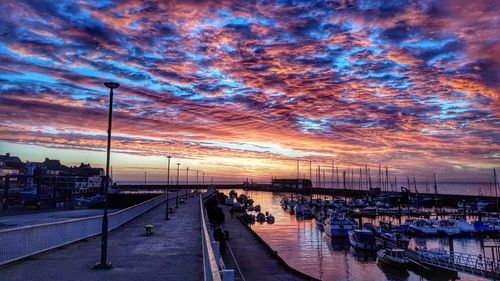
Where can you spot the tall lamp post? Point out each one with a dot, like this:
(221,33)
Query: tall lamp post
(104,264)
(168,185)
(177,192)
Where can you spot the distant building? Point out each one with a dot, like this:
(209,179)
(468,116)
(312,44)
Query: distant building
(13,168)
(304,185)
(6,159)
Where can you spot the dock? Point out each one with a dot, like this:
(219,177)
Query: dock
(256,259)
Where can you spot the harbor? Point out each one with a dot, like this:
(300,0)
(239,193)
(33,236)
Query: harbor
(306,246)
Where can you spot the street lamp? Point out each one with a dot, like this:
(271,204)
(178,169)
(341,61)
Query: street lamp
(104,264)
(177,192)
(168,185)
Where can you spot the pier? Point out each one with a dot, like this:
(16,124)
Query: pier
(254,257)
(172,252)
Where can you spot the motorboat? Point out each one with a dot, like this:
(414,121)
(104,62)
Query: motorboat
(464,226)
(422,227)
(302,211)
(338,225)
(396,239)
(229,201)
(362,239)
(393,257)
(447,227)
(436,253)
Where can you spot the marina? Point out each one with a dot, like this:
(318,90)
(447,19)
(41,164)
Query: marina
(306,246)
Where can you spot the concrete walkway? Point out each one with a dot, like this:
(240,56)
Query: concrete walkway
(173,252)
(254,259)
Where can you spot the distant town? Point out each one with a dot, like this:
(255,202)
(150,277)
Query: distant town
(47,182)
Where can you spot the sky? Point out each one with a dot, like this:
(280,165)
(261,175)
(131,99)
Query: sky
(244,89)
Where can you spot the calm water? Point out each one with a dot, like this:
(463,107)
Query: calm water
(306,248)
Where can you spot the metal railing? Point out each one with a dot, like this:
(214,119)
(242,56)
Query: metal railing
(474,264)
(213,265)
(20,242)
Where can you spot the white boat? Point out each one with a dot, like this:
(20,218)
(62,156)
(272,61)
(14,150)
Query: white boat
(337,225)
(447,227)
(302,211)
(362,239)
(422,227)
(438,253)
(393,257)
(464,226)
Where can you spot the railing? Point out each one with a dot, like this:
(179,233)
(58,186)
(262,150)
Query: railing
(20,242)
(213,265)
(463,262)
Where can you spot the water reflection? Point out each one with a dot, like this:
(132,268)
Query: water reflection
(304,246)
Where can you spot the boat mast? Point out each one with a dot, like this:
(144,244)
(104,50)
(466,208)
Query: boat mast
(360,180)
(495,180)
(386,178)
(333,168)
(435,192)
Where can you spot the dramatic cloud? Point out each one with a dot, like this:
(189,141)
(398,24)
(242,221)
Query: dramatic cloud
(410,84)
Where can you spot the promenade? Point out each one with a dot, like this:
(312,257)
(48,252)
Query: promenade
(173,252)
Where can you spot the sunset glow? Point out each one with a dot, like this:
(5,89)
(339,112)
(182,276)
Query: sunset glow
(244,89)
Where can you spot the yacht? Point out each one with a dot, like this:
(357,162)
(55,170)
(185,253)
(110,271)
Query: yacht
(448,227)
(396,239)
(421,227)
(393,257)
(337,225)
(362,239)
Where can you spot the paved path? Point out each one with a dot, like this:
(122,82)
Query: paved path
(172,253)
(255,261)
(47,217)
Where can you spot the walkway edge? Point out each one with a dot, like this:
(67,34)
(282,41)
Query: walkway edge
(275,254)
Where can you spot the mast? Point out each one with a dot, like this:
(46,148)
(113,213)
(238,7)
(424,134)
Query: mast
(495,180)
(369,179)
(319,176)
(338,180)
(435,185)
(333,168)
(310,170)
(416,190)
(360,183)
(343,173)
(379,177)
(352,178)
(324,179)
(386,178)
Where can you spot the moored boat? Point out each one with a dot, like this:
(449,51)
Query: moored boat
(362,239)
(422,227)
(393,257)
(337,225)
(447,227)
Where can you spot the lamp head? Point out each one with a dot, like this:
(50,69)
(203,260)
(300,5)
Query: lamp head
(111,85)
